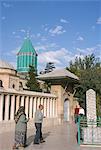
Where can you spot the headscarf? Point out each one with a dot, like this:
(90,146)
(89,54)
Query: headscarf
(20,112)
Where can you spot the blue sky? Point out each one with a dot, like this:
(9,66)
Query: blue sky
(59,30)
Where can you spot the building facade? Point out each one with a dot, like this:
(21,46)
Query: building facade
(62,84)
(58,104)
(10,78)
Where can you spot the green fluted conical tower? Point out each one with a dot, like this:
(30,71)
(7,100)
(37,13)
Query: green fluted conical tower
(26,56)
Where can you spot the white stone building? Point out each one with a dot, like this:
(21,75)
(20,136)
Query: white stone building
(58,104)
(9,78)
(62,84)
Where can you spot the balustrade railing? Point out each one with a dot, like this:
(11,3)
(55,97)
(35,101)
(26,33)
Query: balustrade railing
(89,131)
(10,100)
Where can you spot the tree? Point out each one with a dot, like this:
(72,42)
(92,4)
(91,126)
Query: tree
(85,63)
(32,82)
(88,70)
(49,68)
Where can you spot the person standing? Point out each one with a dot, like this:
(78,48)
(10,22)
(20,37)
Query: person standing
(20,128)
(81,112)
(76,113)
(38,125)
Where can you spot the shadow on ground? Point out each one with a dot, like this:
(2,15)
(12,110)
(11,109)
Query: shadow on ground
(31,138)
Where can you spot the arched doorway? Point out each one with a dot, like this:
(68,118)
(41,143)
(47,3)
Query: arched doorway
(66,110)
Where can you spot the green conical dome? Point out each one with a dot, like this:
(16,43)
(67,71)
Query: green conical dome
(26,56)
(27,47)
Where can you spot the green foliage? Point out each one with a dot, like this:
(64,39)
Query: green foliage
(98,103)
(49,68)
(88,70)
(32,82)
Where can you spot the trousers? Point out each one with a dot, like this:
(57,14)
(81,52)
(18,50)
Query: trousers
(38,136)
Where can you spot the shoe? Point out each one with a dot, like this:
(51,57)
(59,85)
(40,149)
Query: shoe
(15,147)
(21,145)
(36,143)
(25,145)
(42,141)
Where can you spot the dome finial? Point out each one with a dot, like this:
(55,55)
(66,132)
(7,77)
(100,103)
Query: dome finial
(27,34)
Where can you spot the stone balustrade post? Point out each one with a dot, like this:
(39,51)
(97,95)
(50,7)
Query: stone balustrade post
(7,98)
(26,106)
(48,107)
(51,107)
(12,107)
(34,107)
(38,102)
(1,106)
(42,103)
(17,102)
(22,101)
(55,107)
(30,107)
(45,106)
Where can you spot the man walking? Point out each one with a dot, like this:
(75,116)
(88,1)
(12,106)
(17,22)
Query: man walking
(38,125)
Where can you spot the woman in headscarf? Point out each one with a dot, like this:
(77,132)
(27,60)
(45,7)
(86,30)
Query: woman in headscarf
(20,128)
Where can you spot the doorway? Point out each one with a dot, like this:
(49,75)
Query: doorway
(66,110)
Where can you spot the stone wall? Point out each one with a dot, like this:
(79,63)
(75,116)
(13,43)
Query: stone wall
(7,126)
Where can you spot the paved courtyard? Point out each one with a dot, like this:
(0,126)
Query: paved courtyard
(62,137)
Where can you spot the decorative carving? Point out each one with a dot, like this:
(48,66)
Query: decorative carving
(91,105)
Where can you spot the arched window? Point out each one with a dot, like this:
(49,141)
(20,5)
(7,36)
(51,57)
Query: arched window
(13,86)
(20,85)
(1,83)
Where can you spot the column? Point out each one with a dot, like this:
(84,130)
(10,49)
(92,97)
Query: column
(34,107)
(1,106)
(38,102)
(55,107)
(26,106)
(51,109)
(48,107)
(7,107)
(12,107)
(30,107)
(17,102)
(45,107)
(22,101)
(42,103)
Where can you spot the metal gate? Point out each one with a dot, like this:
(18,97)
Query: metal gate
(89,132)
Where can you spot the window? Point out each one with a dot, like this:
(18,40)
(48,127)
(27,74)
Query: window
(20,85)
(1,83)
(13,86)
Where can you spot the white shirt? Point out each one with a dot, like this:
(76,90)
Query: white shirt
(38,116)
(81,111)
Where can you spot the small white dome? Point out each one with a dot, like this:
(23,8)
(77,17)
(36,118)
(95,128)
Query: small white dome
(6,65)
